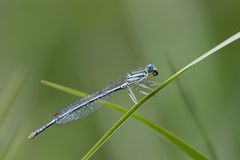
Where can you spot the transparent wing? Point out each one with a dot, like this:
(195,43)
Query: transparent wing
(74,104)
(87,109)
(83,111)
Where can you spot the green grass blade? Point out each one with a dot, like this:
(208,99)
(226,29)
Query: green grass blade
(181,144)
(144,99)
(64,88)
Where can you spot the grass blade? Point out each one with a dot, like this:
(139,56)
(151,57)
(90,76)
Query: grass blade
(181,144)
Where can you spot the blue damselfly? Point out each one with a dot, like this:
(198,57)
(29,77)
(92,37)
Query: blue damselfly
(86,105)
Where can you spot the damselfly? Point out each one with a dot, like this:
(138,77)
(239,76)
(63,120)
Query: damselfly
(84,106)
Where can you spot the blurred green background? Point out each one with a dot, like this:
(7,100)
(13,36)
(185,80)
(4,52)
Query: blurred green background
(87,44)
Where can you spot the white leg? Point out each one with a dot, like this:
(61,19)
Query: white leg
(140,80)
(152,83)
(144,86)
(130,93)
(141,91)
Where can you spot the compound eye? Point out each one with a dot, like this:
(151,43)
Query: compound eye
(150,68)
(155,72)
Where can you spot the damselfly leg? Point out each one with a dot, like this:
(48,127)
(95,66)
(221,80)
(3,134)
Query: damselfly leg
(141,88)
(131,95)
(152,83)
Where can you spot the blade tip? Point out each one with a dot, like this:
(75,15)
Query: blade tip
(42,81)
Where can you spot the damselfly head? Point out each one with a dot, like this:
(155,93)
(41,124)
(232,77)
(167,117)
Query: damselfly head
(151,69)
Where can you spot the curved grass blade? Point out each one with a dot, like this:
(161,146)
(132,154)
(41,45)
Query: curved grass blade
(180,143)
(144,99)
